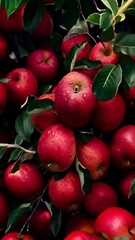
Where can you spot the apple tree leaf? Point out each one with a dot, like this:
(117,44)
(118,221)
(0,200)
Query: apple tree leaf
(106,83)
(33,13)
(55,218)
(87,64)
(72,55)
(132,189)
(125,44)
(59,3)
(2,151)
(39,106)
(112,5)
(94,18)
(130,11)
(85,177)
(11,6)
(105,20)
(128,69)
(15,155)
(107,34)
(120,238)
(84,136)
(16,213)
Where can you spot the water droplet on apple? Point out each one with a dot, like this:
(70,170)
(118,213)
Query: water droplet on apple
(84,96)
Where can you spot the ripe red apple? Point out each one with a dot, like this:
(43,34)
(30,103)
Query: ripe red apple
(124,185)
(14,236)
(45,26)
(21,84)
(26,183)
(68,43)
(115,222)
(3,97)
(66,193)
(3,47)
(109,115)
(57,148)
(104,53)
(81,235)
(4,210)
(129,96)
(100,197)
(42,216)
(43,63)
(122,147)
(94,155)
(46,118)
(81,222)
(74,99)
(14,23)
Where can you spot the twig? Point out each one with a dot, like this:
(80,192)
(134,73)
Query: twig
(7,145)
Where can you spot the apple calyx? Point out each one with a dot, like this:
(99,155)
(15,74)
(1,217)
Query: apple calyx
(105,236)
(76,88)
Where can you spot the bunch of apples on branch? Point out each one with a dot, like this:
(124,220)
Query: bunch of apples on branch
(67,120)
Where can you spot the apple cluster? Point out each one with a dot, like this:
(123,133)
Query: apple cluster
(73,176)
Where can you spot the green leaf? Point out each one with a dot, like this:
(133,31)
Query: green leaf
(128,69)
(4,80)
(120,238)
(87,64)
(55,219)
(126,45)
(11,6)
(105,20)
(80,27)
(21,51)
(16,213)
(112,5)
(107,34)
(23,125)
(94,18)
(130,11)
(33,13)
(84,136)
(106,83)
(132,189)
(72,55)
(15,167)
(18,139)
(59,3)
(40,106)
(15,155)
(2,151)
(85,177)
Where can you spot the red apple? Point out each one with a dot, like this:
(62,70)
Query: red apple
(81,222)
(14,236)
(57,148)
(46,118)
(21,84)
(68,43)
(122,147)
(3,47)
(115,222)
(66,193)
(26,183)
(45,26)
(14,23)
(110,114)
(3,97)
(94,155)
(124,185)
(74,99)
(100,197)
(4,210)
(129,96)
(43,63)
(80,235)
(42,216)
(104,53)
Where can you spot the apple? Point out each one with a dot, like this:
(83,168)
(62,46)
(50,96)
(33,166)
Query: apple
(81,235)
(3,97)
(115,222)
(74,100)
(122,147)
(129,96)
(69,42)
(124,185)
(79,221)
(25,183)
(13,23)
(4,210)
(66,193)
(14,236)
(109,115)
(100,197)
(45,26)
(103,51)
(57,148)
(21,84)
(3,47)
(46,118)
(94,155)
(42,216)
(43,63)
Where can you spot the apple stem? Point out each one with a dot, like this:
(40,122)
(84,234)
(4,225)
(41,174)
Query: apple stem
(104,46)
(7,145)
(34,209)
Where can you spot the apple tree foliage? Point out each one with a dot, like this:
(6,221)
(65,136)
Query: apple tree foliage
(104,20)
